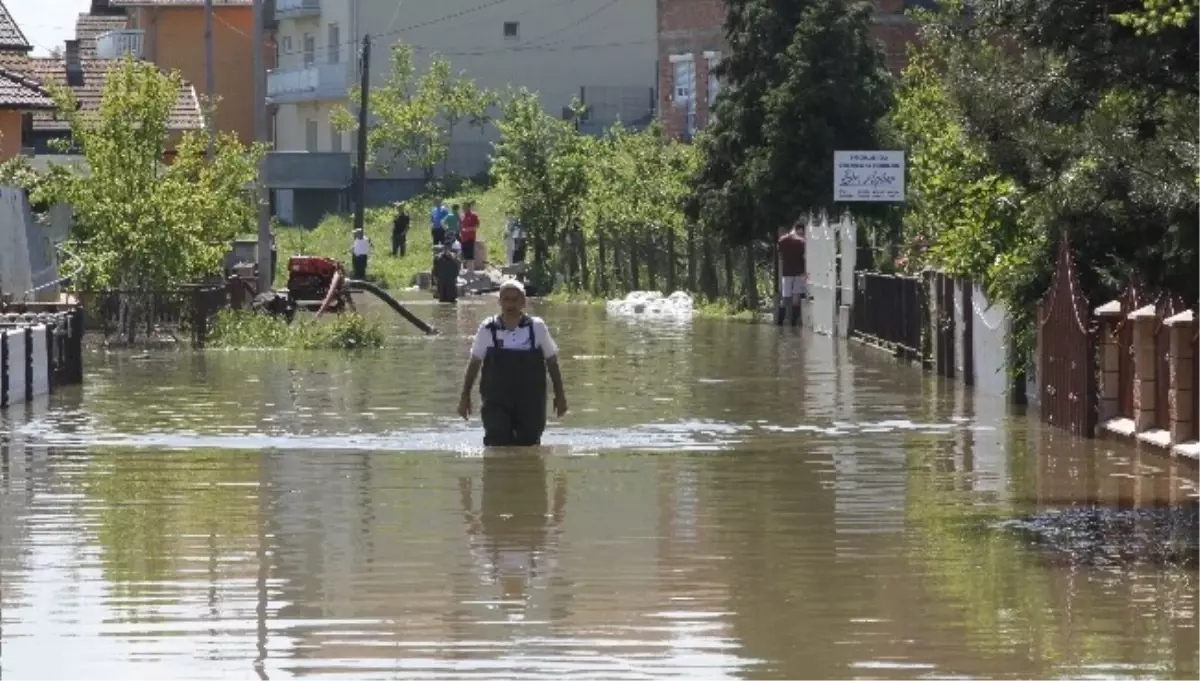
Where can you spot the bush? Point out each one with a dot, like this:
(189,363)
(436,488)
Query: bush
(240,329)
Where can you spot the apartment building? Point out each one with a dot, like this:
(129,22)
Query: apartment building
(691,39)
(600,50)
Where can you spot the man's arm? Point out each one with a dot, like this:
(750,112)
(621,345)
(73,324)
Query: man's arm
(469,377)
(556,378)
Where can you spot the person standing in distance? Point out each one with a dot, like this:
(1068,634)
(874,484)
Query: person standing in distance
(792,279)
(515,352)
(437,219)
(468,232)
(359,248)
(400,225)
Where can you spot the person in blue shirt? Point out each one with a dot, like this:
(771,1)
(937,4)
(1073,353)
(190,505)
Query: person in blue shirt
(437,218)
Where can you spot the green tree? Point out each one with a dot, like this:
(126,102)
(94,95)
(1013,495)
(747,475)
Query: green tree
(541,164)
(803,79)
(415,117)
(142,225)
(1156,16)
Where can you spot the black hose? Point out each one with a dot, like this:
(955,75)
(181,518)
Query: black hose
(383,295)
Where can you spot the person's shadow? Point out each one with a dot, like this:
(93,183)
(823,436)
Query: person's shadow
(514,533)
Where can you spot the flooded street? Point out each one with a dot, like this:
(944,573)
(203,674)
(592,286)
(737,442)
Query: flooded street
(724,500)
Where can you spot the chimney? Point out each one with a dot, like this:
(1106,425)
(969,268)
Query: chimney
(73,63)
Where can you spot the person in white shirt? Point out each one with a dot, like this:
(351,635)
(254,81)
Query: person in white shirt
(512,232)
(359,250)
(515,352)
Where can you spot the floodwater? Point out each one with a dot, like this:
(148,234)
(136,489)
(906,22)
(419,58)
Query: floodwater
(724,500)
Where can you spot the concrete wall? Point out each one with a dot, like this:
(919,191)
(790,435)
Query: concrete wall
(24,261)
(27,365)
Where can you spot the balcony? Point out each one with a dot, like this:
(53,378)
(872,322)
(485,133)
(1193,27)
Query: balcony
(117,44)
(315,83)
(296,9)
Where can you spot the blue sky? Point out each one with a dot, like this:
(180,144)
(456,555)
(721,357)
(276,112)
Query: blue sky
(46,23)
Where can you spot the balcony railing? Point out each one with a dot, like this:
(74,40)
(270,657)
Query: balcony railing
(295,9)
(318,82)
(117,44)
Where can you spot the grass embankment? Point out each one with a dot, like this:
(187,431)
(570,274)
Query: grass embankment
(332,238)
(242,329)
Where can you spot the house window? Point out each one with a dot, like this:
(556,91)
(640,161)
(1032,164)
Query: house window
(310,135)
(283,49)
(333,46)
(512,30)
(335,139)
(310,49)
(684,88)
(714,85)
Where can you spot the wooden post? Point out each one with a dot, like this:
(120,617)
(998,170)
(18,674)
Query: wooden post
(1183,376)
(1145,368)
(1108,352)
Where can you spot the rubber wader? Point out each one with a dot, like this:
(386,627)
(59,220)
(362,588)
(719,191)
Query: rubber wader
(446,270)
(513,388)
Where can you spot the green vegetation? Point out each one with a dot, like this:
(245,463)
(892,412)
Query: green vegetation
(142,225)
(415,118)
(1047,119)
(239,329)
(332,238)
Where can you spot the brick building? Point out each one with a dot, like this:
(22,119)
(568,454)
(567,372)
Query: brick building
(691,38)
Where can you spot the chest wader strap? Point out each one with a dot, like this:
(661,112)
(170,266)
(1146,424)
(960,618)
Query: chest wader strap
(498,322)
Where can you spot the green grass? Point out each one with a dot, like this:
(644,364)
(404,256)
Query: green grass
(332,238)
(242,329)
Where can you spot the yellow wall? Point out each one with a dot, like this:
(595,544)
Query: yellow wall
(174,39)
(10,134)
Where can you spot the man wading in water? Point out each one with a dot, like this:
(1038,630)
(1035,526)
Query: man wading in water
(516,351)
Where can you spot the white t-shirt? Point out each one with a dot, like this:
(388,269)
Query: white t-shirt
(514,339)
(361,246)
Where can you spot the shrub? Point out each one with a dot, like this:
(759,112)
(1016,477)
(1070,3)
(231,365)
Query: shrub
(239,329)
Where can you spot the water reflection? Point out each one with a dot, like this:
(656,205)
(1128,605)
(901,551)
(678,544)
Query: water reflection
(730,500)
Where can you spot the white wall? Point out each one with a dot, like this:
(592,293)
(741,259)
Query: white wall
(561,46)
(16,268)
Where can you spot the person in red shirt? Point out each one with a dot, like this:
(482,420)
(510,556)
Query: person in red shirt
(792,278)
(468,231)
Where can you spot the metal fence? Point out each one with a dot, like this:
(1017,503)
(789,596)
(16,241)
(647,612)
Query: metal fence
(41,348)
(1068,351)
(187,311)
(888,311)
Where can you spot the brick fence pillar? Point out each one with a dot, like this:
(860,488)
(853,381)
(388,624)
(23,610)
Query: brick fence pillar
(1145,367)
(1183,376)
(1108,350)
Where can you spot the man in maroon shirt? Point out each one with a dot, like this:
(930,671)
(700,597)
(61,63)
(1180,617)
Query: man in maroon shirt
(792,279)
(468,233)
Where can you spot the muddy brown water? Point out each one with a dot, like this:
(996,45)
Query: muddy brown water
(724,500)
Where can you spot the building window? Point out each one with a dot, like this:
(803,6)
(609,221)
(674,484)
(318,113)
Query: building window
(310,49)
(512,30)
(335,139)
(283,50)
(310,135)
(333,46)
(714,86)
(684,88)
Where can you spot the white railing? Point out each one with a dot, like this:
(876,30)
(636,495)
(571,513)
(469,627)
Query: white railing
(117,44)
(311,83)
(284,8)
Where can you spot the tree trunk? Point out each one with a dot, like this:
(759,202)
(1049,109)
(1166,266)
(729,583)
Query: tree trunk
(751,285)
(601,266)
(692,279)
(584,273)
(730,282)
(634,264)
(671,282)
(651,262)
(708,275)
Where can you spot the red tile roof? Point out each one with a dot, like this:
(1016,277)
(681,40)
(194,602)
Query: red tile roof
(88,27)
(186,116)
(18,91)
(11,37)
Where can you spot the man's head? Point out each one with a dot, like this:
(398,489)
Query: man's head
(454,207)
(438,203)
(798,225)
(358,234)
(512,297)
(468,206)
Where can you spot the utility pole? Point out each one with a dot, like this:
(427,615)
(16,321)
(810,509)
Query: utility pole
(364,99)
(209,77)
(260,134)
